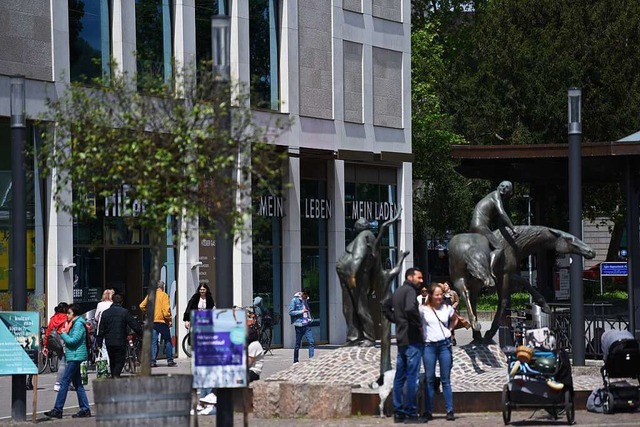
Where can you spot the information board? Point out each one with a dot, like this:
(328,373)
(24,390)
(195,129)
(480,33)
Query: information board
(19,342)
(218,343)
(614,269)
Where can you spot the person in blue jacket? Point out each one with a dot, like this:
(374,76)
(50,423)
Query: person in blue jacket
(301,320)
(74,335)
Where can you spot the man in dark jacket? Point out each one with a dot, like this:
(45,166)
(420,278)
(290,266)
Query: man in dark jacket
(402,309)
(113,329)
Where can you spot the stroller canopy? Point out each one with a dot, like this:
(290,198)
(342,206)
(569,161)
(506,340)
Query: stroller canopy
(611,337)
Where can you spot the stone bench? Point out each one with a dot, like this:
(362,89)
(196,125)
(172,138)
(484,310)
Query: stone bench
(292,400)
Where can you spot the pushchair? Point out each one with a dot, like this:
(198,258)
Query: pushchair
(621,360)
(538,376)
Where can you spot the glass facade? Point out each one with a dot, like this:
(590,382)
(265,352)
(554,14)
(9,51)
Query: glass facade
(205,9)
(315,211)
(267,257)
(34,218)
(112,251)
(263,53)
(154,42)
(89,39)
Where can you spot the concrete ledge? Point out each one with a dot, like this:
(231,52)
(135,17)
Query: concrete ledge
(292,400)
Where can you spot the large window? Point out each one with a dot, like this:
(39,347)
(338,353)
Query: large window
(205,9)
(315,211)
(89,40)
(263,51)
(153,42)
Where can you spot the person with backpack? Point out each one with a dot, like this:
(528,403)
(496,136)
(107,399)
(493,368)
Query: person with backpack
(52,340)
(74,335)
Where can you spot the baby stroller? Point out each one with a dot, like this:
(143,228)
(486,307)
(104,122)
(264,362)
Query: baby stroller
(538,376)
(621,360)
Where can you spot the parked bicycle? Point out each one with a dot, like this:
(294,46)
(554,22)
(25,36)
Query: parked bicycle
(132,358)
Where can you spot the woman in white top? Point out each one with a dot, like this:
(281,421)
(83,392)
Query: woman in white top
(438,320)
(103,305)
(423,297)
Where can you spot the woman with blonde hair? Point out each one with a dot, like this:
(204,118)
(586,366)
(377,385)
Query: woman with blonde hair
(106,302)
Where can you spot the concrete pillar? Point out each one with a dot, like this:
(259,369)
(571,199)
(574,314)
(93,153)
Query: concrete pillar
(336,241)
(291,242)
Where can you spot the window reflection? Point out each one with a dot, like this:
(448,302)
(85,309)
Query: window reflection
(89,40)
(263,52)
(153,42)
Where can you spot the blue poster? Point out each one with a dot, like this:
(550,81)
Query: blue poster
(219,352)
(19,342)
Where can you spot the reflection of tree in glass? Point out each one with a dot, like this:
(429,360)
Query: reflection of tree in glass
(205,9)
(149,41)
(259,53)
(83,58)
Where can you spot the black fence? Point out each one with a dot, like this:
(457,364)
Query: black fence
(599,318)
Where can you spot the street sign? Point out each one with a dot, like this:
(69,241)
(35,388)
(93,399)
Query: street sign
(614,269)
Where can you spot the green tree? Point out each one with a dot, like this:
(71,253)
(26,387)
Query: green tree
(175,150)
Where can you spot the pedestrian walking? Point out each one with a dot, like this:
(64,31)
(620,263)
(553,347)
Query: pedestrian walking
(56,323)
(301,320)
(74,335)
(113,333)
(201,300)
(438,320)
(450,297)
(162,321)
(107,300)
(402,309)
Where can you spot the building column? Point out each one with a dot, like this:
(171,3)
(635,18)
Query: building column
(291,244)
(59,251)
(336,241)
(405,198)
(187,272)
(184,47)
(123,35)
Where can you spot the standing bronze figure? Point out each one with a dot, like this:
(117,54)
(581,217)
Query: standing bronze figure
(360,272)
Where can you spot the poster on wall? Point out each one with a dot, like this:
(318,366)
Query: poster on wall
(218,344)
(5,238)
(19,342)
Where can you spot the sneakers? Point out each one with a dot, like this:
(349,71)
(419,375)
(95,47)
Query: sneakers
(427,416)
(171,363)
(154,365)
(209,410)
(450,416)
(398,418)
(82,414)
(56,387)
(54,413)
(414,420)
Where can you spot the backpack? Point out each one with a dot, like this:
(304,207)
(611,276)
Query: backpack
(55,343)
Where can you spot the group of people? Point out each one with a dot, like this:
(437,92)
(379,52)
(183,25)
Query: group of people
(424,332)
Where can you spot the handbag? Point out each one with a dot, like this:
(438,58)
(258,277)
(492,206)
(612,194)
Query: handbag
(462,322)
(102,367)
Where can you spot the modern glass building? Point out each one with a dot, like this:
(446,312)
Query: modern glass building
(340,69)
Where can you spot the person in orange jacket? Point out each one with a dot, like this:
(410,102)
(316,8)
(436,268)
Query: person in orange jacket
(162,321)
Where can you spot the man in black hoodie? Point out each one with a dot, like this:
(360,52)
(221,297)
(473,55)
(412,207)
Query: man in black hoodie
(402,309)
(113,329)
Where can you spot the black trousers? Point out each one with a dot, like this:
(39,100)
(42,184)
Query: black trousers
(117,355)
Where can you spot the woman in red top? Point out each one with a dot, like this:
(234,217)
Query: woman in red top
(56,323)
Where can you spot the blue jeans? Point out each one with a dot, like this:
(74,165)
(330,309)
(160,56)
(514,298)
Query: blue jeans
(441,352)
(303,331)
(406,379)
(71,376)
(162,329)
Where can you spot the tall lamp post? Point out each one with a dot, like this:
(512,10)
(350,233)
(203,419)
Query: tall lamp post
(221,55)
(575,224)
(19,228)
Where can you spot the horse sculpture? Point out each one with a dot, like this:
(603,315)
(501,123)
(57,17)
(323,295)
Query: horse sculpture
(469,265)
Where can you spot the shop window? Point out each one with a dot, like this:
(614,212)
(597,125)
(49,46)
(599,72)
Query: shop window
(89,39)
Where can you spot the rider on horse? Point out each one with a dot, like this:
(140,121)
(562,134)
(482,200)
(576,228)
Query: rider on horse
(491,208)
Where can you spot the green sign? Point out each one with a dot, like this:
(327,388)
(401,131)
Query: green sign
(19,342)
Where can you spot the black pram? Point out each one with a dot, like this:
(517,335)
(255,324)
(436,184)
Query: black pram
(621,360)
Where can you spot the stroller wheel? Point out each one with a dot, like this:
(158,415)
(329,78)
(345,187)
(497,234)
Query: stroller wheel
(607,404)
(506,405)
(569,408)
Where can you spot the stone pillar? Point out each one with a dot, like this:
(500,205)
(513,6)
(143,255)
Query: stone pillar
(291,242)
(336,241)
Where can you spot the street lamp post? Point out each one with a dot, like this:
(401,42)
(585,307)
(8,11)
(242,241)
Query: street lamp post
(575,224)
(221,55)
(19,228)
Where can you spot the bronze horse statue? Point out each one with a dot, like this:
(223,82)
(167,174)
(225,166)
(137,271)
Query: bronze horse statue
(469,265)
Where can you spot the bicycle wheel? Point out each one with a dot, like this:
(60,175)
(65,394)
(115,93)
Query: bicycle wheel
(53,362)
(186,345)
(43,362)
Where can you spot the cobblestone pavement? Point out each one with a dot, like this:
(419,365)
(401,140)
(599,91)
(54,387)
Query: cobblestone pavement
(475,368)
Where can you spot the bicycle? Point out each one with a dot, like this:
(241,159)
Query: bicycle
(132,358)
(186,344)
(46,358)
